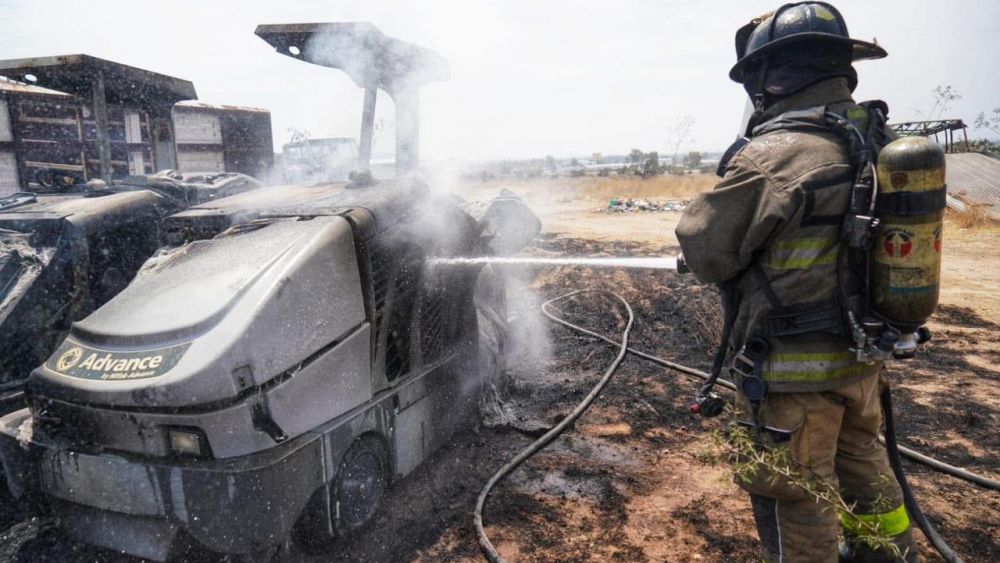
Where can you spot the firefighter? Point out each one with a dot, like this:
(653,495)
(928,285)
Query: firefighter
(770,235)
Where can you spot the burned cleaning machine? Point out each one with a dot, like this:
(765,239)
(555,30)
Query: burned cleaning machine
(284,355)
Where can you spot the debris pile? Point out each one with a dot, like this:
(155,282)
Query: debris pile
(630,205)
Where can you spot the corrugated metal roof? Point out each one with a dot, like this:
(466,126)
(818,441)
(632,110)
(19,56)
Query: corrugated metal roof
(8,85)
(974,178)
(202,105)
(123,84)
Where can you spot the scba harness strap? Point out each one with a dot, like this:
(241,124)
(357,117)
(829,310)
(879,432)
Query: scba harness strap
(863,131)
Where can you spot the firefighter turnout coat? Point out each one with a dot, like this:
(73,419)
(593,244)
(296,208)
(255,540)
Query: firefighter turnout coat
(772,227)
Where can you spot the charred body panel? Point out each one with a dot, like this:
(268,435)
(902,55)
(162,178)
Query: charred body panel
(60,258)
(265,311)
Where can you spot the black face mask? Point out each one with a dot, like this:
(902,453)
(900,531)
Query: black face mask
(791,72)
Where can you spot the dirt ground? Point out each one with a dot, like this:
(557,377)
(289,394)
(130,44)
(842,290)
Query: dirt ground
(628,482)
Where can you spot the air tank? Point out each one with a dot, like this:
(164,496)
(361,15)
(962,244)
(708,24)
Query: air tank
(906,268)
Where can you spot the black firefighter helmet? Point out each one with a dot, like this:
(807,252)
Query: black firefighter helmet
(794,25)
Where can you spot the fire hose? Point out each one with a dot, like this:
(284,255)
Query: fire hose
(484,542)
(893,448)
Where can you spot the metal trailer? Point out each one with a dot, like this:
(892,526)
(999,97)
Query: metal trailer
(222,138)
(945,127)
(114,121)
(266,375)
(14,111)
(68,119)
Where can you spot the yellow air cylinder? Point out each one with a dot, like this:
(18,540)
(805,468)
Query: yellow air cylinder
(906,268)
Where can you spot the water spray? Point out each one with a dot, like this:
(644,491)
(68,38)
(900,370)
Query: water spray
(650,263)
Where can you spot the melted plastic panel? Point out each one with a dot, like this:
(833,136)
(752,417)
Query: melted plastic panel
(229,430)
(147,537)
(21,265)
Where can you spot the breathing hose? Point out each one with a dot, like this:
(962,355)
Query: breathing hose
(484,542)
(912,507)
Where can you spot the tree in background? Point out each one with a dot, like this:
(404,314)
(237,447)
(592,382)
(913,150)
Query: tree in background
(990,122)
(943,98)
(678,133)
(692,160)
(635,158)
(550,163)
(650,165)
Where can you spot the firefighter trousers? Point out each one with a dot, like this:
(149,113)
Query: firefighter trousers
(832,439)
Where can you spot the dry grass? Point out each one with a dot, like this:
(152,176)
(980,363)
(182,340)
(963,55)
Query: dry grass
(590,189)
(657,188)
(975,217)
(702,307)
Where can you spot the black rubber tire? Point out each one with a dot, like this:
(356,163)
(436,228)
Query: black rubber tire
(311,534)
(360,486)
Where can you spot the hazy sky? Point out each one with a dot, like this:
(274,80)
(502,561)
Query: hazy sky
(529,77)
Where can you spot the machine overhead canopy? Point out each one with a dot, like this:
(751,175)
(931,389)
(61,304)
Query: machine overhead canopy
(369,57)
(123,84)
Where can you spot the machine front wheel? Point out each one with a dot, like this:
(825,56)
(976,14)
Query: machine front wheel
(360,485)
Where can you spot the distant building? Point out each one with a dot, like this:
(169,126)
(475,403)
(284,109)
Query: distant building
(222,138)
(973,180)
(68,119)
(328,159)
(943,131)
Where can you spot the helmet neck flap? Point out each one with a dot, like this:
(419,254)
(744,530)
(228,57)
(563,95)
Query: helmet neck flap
(783,74)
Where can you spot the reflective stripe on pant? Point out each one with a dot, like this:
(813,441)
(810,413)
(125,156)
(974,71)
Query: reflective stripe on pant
(833,438)
(893,523)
